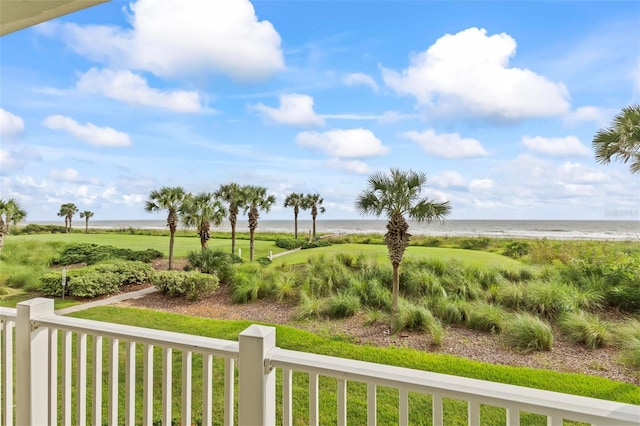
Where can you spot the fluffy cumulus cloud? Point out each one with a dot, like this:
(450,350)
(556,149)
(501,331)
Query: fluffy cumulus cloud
(338,143)
(71,175)
(354,166)
(10,124)
(576,173)
(469,72)
(172,37)
(448,179)
(447,145)
(600,116)
(90,133)
(126,86)
(294,109)
(481,184)
(556,147)
(360,79)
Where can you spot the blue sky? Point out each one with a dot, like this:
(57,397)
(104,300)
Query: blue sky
(496,101)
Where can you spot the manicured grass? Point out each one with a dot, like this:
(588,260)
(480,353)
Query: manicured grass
(466,257)
(182,245)
(294,339)
(11,300)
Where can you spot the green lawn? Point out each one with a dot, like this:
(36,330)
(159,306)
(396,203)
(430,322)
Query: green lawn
(182,245)
(294,339)
(466,257)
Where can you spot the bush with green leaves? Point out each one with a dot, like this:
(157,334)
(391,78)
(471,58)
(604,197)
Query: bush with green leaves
(217,262)
(516,249)
(89,254)
(315,244)
(289,243)
(586,329)
(95,283)
(478,243)
(130,272)
(526,333)
(190,284)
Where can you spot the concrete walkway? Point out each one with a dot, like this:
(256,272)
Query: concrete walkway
(108,301)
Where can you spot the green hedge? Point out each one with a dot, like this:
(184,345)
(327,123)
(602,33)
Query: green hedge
(94,253)
(289,243)
(193,285)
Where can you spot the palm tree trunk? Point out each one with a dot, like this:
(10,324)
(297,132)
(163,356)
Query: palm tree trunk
(233,221)
(86,226)
(295,224)
(2,232)
(171,232)
(314,227)
(396,287)
(252,233)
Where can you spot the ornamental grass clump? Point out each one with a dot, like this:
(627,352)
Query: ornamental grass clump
(628,338)
(485,317)
(526,333)
(343,305)
(586,329)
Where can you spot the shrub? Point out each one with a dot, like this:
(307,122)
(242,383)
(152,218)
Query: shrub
(548,299)
(96,283)
(516,249)
(412,317)
(289,243)
(315,244)
(527,333)
(419,283)
(511,295)
(451,311)
(214,262)
(343,305)
(192,285)
(51,284)
(309,307)
(485,317)
(628,338)
(479,243)
(263,261)
(371,293)
(94,253)
(130,272)
(586,329)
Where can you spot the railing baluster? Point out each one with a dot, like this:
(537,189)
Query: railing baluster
(371,404)
(403,401)
(147,385)
(81,379)
(167,377)
(287,388)
(113,382)
(186,387)
(2,389)
(342,402)
(66,377)
(513,417)
(314,415)
(207,394)
(130,385)
(473,413)
(436,401)
(555,420)
(229,385)
(7,337)
(96,412)
(53,376)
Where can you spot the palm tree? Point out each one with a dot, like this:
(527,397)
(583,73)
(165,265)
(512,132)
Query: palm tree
(314,202)
(621,141)
(398,194)
(200,211)
(295,200)
(67,211)
(231,194)
(254,199)
(13,213)
(86,215)
(170,199)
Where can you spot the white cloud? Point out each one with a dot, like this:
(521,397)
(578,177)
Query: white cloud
(600,116)
(576,173)
(481,184)
(393,117)
(171,38)
(469,71)
(359,78)
(10,124)
(448,179)
(352,143)
(447,145)
(90,133)
(294,109)
(354,166)
(132,88)
(71,175)
(556,147)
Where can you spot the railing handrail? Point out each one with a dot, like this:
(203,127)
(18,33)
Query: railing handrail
(8,313)
(491,393)
(160,338)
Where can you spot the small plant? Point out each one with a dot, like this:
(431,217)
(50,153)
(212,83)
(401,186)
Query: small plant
(516,249)
(451,311)
(586,329)
(343,305)
(480,243)
(309,307)
(549,299)
(628,338)
(485,317)
(527,333)
(412,317)
(214,262)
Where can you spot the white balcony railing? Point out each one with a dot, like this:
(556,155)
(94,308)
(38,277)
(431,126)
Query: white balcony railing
(43,358)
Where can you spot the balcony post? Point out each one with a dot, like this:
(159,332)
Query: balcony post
(256,384)
(32,363)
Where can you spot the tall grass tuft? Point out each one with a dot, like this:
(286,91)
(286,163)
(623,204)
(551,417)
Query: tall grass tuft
(485,317)
(585,328)
(451,311)
(628,338)
(371,293)
(343,305)
(527,333)
(418,283)
(309,307)
(412,317)
(511,296)
(549,299)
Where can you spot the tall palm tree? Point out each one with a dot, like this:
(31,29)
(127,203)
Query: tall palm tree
(68,210)
(86,215)
(170,199)
(314,202)
(13,213)
(295,200)
(254,199)
(200,211)
(620,141)
(398,195)
(231,195)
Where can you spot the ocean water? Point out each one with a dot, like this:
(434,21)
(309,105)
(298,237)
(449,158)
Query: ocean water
(552,229)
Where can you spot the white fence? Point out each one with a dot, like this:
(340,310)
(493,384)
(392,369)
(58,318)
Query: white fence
(55,384)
